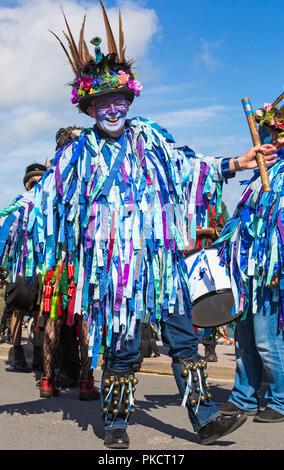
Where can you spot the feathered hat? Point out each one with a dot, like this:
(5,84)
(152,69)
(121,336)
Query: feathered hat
(272,116)
(99,74)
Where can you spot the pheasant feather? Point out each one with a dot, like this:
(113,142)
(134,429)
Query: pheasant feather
(81,48)
(70,40)
(73,65)
(121,41)
(110,38)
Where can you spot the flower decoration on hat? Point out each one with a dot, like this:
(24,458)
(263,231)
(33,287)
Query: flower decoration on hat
(271,116)
(99,74)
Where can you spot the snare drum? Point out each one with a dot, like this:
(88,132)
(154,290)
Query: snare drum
(210,289)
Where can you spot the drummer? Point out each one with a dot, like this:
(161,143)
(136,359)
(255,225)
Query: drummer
(252,244)
(205,237)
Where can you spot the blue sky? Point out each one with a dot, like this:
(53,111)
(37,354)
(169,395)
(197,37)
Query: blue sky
(195,59)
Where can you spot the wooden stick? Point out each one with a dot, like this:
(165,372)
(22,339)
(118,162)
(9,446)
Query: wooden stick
(277,101)
(256,141)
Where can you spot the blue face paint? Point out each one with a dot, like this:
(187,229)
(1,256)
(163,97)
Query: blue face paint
(110,113)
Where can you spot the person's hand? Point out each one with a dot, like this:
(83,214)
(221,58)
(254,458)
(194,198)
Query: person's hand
(274,281)
(248,161)
(208,232)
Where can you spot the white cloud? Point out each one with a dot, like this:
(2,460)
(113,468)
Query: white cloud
(27,126)
(188,117)
(35,67)
(207,58)
(35,72)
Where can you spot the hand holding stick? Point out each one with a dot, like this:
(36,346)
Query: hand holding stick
(256,141)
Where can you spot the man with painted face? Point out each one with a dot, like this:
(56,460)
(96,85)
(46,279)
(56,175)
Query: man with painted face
(110,113)
(115,212)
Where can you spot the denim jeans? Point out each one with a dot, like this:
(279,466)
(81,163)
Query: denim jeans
(123,359)
(259,347)
(178,335)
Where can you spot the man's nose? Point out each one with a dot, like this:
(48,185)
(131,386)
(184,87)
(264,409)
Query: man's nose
(112,109)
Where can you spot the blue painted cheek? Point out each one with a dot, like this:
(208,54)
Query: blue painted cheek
(112,113)
(113,127)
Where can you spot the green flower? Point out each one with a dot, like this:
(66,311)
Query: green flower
(114,81)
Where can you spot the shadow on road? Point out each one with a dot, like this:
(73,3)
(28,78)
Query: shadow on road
(86,414)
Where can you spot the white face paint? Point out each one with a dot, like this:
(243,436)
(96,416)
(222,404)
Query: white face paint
(110,113)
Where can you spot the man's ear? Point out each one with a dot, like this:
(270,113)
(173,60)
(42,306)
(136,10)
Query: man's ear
(91,112)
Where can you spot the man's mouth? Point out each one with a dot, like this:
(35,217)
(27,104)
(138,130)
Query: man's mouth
(113,120)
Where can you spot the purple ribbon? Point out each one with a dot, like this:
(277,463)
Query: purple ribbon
(127,266)
(140,148)
(58,179)
(167,242)
(204,171)
(280,226)
(91,225)
(245,197)
(124,174)
(119,290)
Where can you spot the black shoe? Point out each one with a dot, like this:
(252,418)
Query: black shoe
(221,426)
(19,367)
(116,439)
(211,357)
(20,363)
(210,354)
(269,416)
(230,409)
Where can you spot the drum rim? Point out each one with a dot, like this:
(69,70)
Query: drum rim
(223,322)
(227,290)
(227,322)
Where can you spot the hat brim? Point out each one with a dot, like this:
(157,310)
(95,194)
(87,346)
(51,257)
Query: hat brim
(86,101)
(29,175)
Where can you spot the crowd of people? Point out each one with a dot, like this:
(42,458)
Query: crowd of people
(100,241)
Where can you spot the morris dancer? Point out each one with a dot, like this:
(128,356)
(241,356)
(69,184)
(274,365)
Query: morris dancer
(18,291)
(118,207)
(252,245)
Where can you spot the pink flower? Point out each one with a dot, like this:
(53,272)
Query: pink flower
(280,124)
(74,98)
(87,83)
(258,112)
(122,78)
(135,86)
(267,107)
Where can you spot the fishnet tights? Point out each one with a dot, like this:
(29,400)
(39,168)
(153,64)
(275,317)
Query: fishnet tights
(51,341)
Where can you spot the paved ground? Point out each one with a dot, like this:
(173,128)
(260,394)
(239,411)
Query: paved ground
(159,424)
(223,369)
